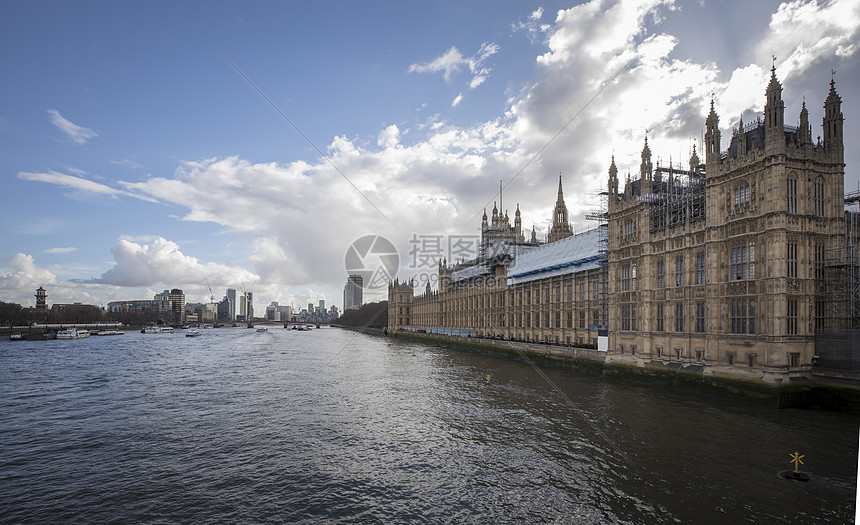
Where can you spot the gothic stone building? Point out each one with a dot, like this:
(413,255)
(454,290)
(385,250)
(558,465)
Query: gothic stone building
(720,266)
(514,289)
(723,265)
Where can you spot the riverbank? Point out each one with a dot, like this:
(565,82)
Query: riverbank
(818,392)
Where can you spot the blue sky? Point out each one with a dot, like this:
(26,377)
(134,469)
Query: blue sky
(136,158)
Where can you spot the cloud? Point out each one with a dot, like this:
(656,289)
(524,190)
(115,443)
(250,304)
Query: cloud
(70,249)
(130,164)
(161,263)
(457,100)
(77,183)
(77,134)
(452,61)
(805,31)
(389,137)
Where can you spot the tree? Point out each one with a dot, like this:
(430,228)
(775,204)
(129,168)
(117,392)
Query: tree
(373,315)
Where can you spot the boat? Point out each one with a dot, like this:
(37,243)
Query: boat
(193,333)
(109,332)
(45,336)
(16,337)
(72,333)
(262,330)
(157,330)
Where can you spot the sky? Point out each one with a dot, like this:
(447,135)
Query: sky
(248,145)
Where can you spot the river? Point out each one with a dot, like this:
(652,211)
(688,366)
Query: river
(338,427)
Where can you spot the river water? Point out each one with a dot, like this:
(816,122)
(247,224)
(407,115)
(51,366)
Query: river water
(338,427)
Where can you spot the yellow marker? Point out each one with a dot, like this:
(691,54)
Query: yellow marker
(795,458)
(452,361)
(488,379)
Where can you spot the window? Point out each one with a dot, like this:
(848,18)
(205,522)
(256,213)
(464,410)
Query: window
(751,360)
(731,358)
(819,262)
(742,315)
(625,278)
(582,318)
(679,271)
(742,196)
(633,277)
(794,359)
(558,319)
(629,229)
(792,317)
(700,268)
(742,261)
(819,315)
(570,293)
(700,317)
(792,259)
(660,273)
(628,317)
(570,319)
(699,354)
(679,317)
(582,291)
(660,317)
(791,194)
(818,197)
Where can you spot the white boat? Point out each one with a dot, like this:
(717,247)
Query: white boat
(16,337)
(262,330)
(157,330)
(193,333)
(109,332)
(72,333)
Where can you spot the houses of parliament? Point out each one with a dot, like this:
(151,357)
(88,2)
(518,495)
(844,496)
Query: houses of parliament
(733,266)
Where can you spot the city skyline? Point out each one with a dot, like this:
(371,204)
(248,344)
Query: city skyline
(142,158)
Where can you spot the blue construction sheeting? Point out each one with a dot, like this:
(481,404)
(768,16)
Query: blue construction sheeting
(574,254)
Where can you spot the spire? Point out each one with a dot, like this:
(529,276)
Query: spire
(613,177)
(832,122)
(560,224)
(774,112)
(742,141)
(712,137)
(560,192)
(645,167)
(804,132)
(694,159)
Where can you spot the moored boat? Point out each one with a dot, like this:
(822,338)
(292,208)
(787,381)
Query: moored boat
(262,330)
(193,333)
(109,332)
(72,333)
(157,330)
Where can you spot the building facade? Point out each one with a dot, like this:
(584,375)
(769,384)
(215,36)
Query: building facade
(722,265)
(726,265)
(352,293)
(515,289)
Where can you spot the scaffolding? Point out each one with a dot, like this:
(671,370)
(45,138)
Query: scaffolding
(677,200)
(842,271)
(601,215)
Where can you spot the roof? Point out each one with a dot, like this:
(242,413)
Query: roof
(574,254)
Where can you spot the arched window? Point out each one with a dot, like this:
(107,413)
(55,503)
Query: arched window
(818,197)
(791,193)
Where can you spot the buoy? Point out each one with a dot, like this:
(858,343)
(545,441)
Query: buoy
(795,475)
(488,379)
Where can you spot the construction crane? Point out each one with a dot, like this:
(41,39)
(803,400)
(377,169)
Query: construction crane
(211,295)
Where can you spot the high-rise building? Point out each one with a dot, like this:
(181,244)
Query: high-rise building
(177,304)
(231,304)
(352,292)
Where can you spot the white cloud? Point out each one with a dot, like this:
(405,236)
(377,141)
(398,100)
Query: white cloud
(161,263)
(76,183)
(457,100)
(452,61)
(78,134)
(389,137)
(804,31)
(69,249)
(127,163)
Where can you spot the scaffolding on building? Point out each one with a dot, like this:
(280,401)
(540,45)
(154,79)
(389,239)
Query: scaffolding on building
(837,344)
(842,271)
(677,200)
(601,215)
